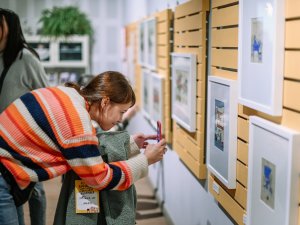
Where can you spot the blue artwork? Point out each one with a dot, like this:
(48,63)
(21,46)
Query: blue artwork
(256,40)
(268,183)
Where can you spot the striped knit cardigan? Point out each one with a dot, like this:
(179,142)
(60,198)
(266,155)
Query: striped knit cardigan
(48,131)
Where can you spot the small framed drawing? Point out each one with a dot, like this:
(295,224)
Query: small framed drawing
(261,55)
(184,69)
(151,43)
(142,43)
(222,129)
(273,180)
(157,110)
(146,92)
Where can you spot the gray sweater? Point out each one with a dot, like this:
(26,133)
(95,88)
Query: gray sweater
(25,74)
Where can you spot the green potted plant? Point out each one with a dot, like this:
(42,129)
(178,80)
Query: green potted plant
(64,21)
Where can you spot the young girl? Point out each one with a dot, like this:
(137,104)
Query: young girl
(48,131)
(116,207)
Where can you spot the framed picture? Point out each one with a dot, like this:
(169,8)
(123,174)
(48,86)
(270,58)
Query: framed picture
(184,69)
(142,43)
(157,112)
(222,129)
(151,43)
(273,180)
(146,92)
(42,49)
(261,55)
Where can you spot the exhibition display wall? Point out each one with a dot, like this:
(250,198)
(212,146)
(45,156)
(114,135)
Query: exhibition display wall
(215,48)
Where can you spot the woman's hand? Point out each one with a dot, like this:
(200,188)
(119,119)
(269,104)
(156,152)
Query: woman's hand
(140,139)
(155,152)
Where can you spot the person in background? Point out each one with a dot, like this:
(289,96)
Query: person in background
(49,131)
(24,73)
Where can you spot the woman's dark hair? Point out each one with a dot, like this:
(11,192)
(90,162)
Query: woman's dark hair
(110,84)
(15,39)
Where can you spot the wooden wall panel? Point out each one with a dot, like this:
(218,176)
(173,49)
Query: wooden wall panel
(225,16)
(218,3)
(292,9)
(190,37)
(242,173)
(292,34)
(225,199)
(188,8)
(162,27)
(241,195)
(189,23)
(242,151)
(291,90)
(164,23)
(163,39)
(224,73)
(243,129)
(224,58)
(224,37)
(292,65)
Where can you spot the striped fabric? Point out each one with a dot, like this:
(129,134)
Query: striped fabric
(47,132)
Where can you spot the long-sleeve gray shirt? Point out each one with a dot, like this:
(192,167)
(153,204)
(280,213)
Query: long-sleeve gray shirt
(25,74)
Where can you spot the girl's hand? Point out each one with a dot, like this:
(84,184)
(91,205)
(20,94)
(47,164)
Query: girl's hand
(155,152)
(140,139)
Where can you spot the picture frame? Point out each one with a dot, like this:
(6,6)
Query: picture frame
(151,43)
(42,49)
(184,73)
(146,93)
(222,114)
(142,56)
(157,99)
(261,55)
(273,180)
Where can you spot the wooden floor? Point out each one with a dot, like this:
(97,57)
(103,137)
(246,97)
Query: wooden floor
(148,210)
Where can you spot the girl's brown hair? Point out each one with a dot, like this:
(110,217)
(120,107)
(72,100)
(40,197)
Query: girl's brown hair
(109,84)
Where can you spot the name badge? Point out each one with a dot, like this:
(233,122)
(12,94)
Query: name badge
(86,198)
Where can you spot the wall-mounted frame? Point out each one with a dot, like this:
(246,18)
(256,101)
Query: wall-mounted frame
(222,129)
(146,92)
(184,71)
(157,109)
(151,43)
(43,50)
(273,181)
(261,55)
(142,43)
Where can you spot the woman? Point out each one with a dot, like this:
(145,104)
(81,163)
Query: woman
(48,131)
(24,73)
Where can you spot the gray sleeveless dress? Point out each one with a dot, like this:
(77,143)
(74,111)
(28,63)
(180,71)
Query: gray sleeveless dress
(116,207)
